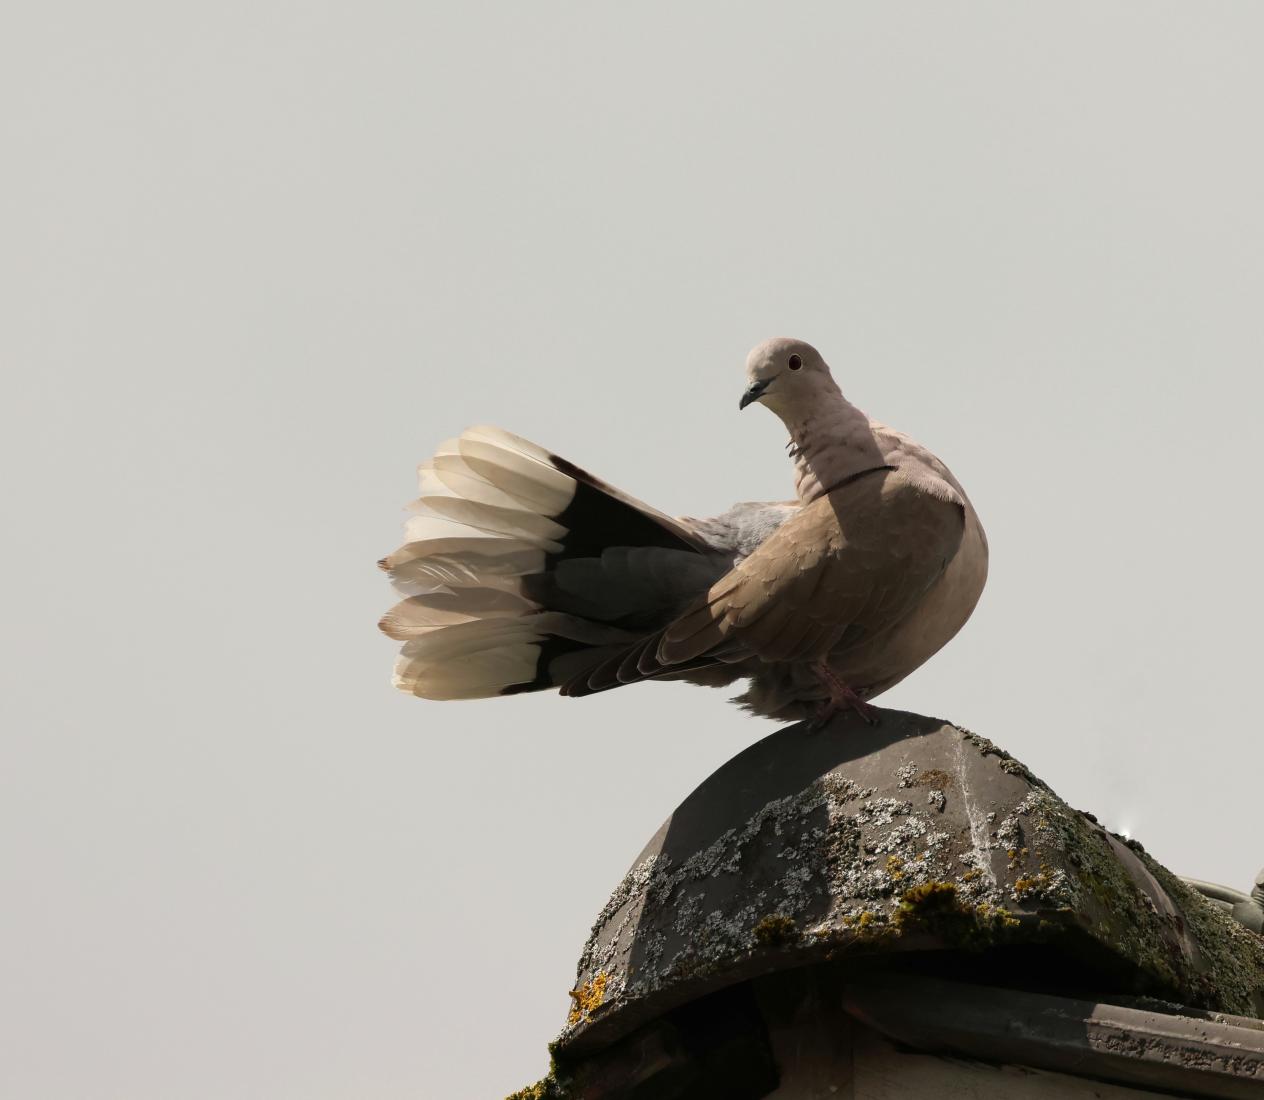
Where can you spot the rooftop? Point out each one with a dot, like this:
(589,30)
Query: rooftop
(903,869)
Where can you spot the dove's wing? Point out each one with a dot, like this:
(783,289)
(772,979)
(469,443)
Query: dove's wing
(838,572)
(849,565)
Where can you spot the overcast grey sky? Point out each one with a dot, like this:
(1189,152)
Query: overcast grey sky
(260,257)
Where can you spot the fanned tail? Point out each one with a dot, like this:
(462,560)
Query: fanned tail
(521,570)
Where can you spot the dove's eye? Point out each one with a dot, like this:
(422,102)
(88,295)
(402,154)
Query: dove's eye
(795,362)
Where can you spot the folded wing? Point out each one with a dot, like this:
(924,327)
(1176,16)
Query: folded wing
(836,573)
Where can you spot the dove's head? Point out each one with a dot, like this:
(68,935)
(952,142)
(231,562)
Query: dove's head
(788,376)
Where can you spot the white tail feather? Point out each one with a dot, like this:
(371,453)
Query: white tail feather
(498,437)
(479,602)
(545,489)
(487,518)
(477,658)
(462,639)
(512,522)
(478,544)
(475,677)
(427,526)
(419,615)
(466,569)
(449,475)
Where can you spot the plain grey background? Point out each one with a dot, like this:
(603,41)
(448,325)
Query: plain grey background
(260,257)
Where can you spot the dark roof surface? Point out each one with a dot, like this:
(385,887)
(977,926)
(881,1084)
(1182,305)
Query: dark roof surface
(914,841)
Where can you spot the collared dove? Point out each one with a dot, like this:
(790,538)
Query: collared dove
(523,572)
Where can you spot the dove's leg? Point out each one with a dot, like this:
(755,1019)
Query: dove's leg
(839,698)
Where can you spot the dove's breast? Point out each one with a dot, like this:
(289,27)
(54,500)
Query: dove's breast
(878,656)
(930,626)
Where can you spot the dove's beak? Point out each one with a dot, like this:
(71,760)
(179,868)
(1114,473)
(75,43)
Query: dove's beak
(753,392)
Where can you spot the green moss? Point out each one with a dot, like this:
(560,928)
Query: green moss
(776,930)
(1231,975)
(555,1085)
(1128,921)
(545,1089)
(1225,972)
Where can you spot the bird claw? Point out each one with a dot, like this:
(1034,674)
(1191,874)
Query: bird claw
(868,714)
(840,698)
(829,711)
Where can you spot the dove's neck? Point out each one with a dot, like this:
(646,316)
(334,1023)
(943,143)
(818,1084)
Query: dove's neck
(831,443)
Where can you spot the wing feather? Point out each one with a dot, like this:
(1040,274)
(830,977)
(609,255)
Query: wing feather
(853,562)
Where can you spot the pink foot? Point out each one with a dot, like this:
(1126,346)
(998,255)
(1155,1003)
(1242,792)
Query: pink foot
(840,698)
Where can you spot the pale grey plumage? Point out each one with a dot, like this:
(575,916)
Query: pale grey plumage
(737,533)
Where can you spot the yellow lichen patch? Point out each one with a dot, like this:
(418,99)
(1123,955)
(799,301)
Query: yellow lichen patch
(895,867)
(937,908)
(970,875)
(932,777)
(1033,885)
(1004,918)
(588,998)
(860,921)
(997,916)
(775,931)
(930,897)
